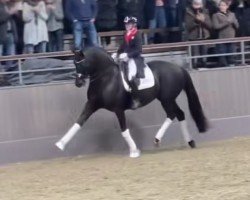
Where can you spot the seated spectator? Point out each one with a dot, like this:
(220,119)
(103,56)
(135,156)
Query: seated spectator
(82,13)
(55,24)
(226,24)
(198,25)
(35,27)
(8,33)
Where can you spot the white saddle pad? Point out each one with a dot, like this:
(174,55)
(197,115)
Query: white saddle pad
(145,83)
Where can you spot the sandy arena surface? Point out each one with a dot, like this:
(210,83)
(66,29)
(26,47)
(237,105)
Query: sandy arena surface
(214,171)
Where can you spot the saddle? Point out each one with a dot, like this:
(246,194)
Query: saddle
(132,79)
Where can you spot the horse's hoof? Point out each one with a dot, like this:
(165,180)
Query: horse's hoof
(157,142)
(135,154)
(60,145)
(192,144)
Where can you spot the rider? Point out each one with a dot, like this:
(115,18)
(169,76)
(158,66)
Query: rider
(131,48)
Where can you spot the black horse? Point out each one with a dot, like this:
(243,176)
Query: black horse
(106,90)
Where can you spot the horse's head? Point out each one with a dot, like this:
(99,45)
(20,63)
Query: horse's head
(82,68)
(90,62)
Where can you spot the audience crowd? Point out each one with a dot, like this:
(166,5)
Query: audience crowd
(28,26)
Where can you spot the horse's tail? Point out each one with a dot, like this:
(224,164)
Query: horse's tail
(194,104)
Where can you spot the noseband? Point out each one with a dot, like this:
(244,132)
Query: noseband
(78,62)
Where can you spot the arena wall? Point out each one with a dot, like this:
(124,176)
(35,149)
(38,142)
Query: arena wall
(33,118)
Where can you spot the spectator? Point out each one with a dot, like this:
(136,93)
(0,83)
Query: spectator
(241,8)
(171,12)
(246,19)
(82,13)
(225,22)
(18,4)
(35,27)
(131,8)
(212,6)
(8,33)
(107,16)
(198,25)
(55,24)
(156,15)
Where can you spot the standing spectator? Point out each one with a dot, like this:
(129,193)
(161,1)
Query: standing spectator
(226,24)
(241,8)
(156,15)
(35,27)
(198,25)
(82,13)
(131,8)
(171,12)
(246,19)
(55,24)
(8,34)
(107,16)
(19,24)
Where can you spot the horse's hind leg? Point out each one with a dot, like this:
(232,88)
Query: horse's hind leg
(134,152)
(170,111)
(181,118)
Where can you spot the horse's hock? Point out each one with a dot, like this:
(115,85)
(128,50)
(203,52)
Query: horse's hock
(34,118)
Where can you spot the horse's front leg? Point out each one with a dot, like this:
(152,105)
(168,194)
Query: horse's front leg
(89,109)
(134,152)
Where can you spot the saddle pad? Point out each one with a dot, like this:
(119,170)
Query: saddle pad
(145,83)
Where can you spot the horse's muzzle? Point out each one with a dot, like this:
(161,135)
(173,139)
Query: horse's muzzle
(79,80)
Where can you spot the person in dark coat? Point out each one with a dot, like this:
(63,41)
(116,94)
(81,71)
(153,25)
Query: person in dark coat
(131,48)
(106,17)
(131,8)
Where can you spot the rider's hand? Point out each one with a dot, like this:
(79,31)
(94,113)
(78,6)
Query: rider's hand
(123,57)
(114,56)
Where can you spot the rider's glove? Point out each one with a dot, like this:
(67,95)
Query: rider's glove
(123,57)
(114,56)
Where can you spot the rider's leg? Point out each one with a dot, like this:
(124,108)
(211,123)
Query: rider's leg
(140,67)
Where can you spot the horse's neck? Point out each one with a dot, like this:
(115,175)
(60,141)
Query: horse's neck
(106,75)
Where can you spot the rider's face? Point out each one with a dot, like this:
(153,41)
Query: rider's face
(129,26)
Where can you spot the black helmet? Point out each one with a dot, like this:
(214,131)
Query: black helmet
(130,20)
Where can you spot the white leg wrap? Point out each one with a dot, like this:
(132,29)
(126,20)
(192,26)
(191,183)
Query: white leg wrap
(68,136)
(129,140)
(163,129)
(185,131)
(134,152)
